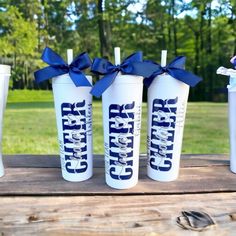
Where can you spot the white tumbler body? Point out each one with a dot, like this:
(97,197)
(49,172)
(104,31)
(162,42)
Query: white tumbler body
(73,106)
(167,103)
(122,109)
(232,126)
(5,73)
(2,108)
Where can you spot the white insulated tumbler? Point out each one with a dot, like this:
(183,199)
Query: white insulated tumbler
(73,107)
(167,103)
(5,73)
(231,112)
(232,122)
(122,108)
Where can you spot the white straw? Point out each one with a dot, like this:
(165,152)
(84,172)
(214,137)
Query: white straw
(117,55)
(163,57)
(69,56)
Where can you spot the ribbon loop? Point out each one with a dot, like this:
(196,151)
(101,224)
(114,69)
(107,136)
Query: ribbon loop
(52,58)
(102,66)
(178,62)
(57,66)
(174,69)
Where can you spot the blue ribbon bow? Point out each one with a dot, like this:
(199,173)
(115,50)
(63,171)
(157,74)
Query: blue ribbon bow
(102,66)
(174,69)
(233,61)
(57,66)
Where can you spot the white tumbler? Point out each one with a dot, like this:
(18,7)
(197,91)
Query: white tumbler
(232,122)
(122,108)
(167,104)
(73,107)
(231,112)
(5,73)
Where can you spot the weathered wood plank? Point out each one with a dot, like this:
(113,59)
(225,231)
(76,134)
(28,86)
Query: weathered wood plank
(51,161)
(48,181)
(115,215)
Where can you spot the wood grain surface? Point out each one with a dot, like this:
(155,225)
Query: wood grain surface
(53,161)
(114,215)
(35,200)
(209,175)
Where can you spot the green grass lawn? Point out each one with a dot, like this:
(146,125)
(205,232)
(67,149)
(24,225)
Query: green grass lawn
(30,126)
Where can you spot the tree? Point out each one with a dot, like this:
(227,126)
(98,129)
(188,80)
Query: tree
(104,26)
(204,31)
(18,41)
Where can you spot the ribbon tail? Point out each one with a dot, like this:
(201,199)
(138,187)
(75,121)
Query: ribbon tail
(184,76)
(47,73)
(103,84)
(79,79)
(147,81)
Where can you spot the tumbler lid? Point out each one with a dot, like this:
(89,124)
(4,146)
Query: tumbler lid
(5,69)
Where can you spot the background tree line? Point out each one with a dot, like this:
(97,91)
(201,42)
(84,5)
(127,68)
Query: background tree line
(202,30)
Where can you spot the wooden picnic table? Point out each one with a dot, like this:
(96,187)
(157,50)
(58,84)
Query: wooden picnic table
(35,200)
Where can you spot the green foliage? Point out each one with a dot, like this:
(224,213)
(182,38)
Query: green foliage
(204,31)
(30,126)
(19,43)
(20,37)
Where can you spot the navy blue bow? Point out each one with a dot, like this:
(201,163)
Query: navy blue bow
(233,61)
(174,69)
(104,67)
(57,66)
